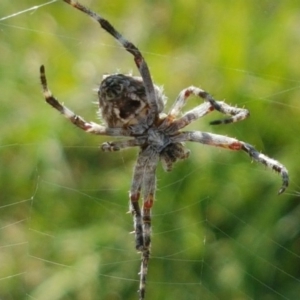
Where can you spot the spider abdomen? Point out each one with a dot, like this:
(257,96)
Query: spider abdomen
(123,100)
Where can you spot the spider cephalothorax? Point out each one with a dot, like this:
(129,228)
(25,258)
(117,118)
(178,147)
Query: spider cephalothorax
(132,107)
(123,102)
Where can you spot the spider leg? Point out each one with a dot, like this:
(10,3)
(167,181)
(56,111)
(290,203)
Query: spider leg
(131,48)
(143,176)
(149,187)
(134,195)
(118,145)
(237,114)
(78,121)
(234,144)
(190,116)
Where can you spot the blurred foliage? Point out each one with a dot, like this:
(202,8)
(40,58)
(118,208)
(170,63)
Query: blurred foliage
(219,229)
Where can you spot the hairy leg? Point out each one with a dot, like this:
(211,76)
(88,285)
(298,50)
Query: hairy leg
(149,187)
(118,145)
(237,114)
(234,144)
(131,48)
(78,121)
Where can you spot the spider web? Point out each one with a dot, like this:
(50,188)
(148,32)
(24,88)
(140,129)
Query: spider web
(219,230)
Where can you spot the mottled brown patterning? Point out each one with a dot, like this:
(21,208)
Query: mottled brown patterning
(132,107)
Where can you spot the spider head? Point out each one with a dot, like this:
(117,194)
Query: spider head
(123,102)
(171,154)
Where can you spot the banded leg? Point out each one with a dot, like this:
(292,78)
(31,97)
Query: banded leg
(134,195)
(144,177)
(237,114)
(131,48)
(118,145)
(234,144)
(149,187)
(78,121)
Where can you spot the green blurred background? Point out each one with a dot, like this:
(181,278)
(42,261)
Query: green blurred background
(219,229)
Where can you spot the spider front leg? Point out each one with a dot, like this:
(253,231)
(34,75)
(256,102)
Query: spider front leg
(149,187)
(234,144)
(135,192)
(144,178)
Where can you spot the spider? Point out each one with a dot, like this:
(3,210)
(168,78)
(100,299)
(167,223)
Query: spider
(133,107)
